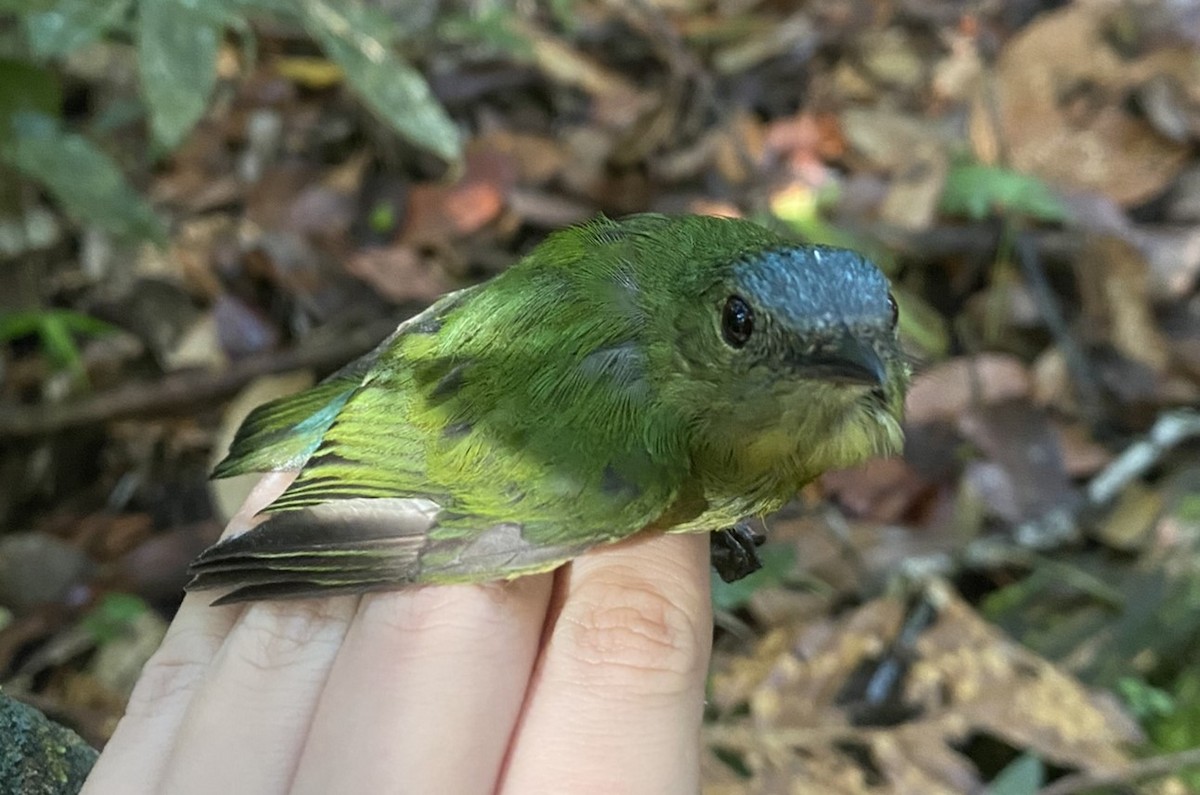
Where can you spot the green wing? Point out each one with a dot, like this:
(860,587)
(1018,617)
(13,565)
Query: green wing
(457,459)
(395,495)
(285,432)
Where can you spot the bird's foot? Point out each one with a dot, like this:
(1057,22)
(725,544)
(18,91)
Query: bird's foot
(735,551)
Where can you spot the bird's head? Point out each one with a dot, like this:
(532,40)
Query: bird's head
(796,350)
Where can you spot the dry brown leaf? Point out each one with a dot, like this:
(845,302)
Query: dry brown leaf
(546,209)
(847,555)
(1082,455)
(766,40)
(193,247)
(538,159)
(949,388)
(440,212)
(197,346)
(156,569)
(588,149)
(1129,525)
(1111,275)
(198,176)
(956,76)
(913,153)
(739,147)
(850,83)
(890,57)
(399,273)
(883,489)
(1023,459)
(270,198)
(619,103)
(1059,100)
(1052,383)
(812,729)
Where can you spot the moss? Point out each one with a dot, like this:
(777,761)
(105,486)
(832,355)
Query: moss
(38,756)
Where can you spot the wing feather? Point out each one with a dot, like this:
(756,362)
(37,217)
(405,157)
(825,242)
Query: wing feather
(526,417)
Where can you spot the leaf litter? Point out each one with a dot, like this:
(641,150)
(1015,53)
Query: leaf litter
(1011,604)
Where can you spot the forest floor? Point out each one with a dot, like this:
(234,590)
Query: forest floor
(205,222)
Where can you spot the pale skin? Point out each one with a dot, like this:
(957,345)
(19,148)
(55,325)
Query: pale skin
(586,680)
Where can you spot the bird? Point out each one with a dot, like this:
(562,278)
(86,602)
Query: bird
(645,374)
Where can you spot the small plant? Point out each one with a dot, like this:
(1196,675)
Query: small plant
(177,45)
(976,191)
(55,330)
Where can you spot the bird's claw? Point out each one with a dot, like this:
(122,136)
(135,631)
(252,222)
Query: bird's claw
(735,551)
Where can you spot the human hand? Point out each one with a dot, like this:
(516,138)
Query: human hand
(589,679)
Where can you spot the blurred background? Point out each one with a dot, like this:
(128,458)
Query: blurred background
(207,205)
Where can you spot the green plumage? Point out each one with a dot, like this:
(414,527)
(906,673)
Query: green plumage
(589,392)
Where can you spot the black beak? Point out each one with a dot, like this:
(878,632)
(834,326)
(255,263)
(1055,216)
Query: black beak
(848,361)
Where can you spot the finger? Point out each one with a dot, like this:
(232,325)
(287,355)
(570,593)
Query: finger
(245,728)
(426,690)
(616,702)
(136,755)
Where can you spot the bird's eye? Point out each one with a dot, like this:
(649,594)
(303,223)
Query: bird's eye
(737,321)
(895,309)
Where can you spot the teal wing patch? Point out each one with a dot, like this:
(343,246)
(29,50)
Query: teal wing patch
(283,433)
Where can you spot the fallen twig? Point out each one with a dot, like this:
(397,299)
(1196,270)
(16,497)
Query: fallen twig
(948,241)
(1171,430)
(1062,525)
(1087,387)
(187,389)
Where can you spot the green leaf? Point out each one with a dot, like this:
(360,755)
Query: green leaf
(489,26)
(26,6)
(1179,729)
(1023,776)
(976,191)
(778,561)
(55,330)
(360,42)
(14,325)
(1144,700)
(60,346)
(382,219)
(81,178)
(67,25)
(284,9)
(108,619)
(24,323)
(26,88)
(177,44)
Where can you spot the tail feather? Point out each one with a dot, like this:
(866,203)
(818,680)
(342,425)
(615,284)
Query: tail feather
(365,544)
(351,546)
(301,589)
(294,581)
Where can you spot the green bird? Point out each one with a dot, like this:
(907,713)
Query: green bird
(660,373)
